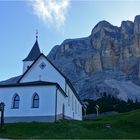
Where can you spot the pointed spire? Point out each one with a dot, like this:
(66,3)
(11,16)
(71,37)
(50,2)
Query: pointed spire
(35,51)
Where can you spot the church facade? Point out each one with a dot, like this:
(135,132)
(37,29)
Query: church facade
(41,94)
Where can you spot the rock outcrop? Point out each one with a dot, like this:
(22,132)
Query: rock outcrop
(110,52)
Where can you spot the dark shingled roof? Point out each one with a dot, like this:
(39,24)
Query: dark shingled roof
(27,84)
(13,83)
(12,80)
(34,53)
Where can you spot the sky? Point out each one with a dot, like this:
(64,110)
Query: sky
(55,20)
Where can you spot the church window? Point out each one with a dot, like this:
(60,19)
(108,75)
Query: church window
(72,103)
(68,97)
(35,101)
(16,100)
(75,106)
(42,65)
(78,109)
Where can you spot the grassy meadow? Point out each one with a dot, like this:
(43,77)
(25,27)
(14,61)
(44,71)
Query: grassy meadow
(123,126)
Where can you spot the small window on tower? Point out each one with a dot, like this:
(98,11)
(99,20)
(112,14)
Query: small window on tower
(42,65)
(28,67)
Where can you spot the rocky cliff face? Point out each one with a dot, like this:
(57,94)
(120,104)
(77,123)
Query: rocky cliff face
(109,53)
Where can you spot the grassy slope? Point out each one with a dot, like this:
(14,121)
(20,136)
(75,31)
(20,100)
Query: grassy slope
(125,125)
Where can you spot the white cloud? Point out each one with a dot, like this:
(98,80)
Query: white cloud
(51,11)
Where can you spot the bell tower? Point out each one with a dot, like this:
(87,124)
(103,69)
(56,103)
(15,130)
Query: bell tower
(32,56)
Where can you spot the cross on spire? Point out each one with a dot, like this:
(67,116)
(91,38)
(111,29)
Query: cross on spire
(36,34)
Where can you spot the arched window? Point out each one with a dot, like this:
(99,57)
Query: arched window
(35,101)
(16,100)
(68,97)
(75,107)
(72,103)
(78,109)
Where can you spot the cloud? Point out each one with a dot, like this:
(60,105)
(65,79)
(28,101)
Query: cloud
(51,11)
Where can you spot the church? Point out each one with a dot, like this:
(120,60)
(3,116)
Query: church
(40,94)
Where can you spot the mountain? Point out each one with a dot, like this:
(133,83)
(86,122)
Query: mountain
(107,61)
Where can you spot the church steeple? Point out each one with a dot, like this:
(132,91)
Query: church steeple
(35,51)
(32,56)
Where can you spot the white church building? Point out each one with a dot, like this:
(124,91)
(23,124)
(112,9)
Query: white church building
(41,94)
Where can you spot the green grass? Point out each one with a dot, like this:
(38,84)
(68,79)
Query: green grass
(124,126)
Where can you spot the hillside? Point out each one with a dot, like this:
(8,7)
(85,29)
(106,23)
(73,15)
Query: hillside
(109,53)
(123,126)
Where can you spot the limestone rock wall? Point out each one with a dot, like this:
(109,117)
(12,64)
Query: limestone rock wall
(109,52)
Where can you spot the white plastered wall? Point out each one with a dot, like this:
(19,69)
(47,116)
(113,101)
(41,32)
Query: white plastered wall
(74,107)
(46,101)
(72,111)
(61,100)
(49,73)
